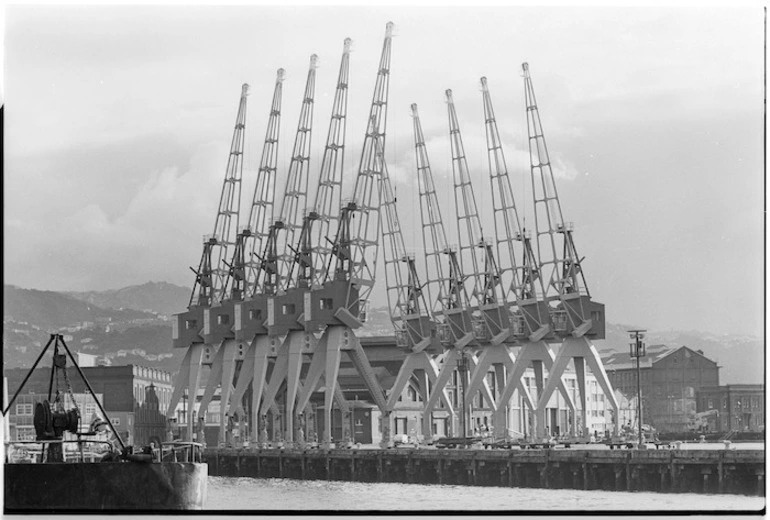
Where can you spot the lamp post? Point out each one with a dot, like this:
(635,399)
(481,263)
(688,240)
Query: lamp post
(462,365)
(638,351)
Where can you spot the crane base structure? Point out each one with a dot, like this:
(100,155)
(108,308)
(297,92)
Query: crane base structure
(324,368)
(582,352)
(499,357)
(452,360)
(538,355)
(423,367)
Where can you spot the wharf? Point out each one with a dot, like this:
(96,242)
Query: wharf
(678,471)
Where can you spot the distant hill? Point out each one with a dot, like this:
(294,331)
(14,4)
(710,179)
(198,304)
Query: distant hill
(741,358)
(160,297)
(51,310)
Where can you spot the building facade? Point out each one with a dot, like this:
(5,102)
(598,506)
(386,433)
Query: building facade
(738,407)
(670,378)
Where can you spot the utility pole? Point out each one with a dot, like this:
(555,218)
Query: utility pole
(638,351)
(462,365)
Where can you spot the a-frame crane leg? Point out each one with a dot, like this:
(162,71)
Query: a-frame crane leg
(580,348)
(252,373)
(214,380)
(314,373)
(230,348)
(501,359)
(277,378)
(538,355)
(548,359)
(485,390)
(357,355)
(245,377)
(451,358)
(333,340)
(189,379)
(298,342)
(415,362)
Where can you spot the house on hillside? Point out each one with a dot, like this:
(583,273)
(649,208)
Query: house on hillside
(670,379)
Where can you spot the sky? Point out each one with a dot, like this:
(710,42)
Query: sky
(119,119)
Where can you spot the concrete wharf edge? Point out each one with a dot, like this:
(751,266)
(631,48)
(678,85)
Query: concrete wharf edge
(678,471)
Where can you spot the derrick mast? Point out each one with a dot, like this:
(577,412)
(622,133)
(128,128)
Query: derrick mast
(413,324)
(339,304)
(211,276)
(250,315)
(531,319)
(574,316)
(522,280)
(564,280)
(477,258)
(355,248)
(312,250)
(276,258)
(452,306)
(209,287)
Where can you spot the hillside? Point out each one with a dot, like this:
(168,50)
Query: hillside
(159,297)
(741,358)
(52,310)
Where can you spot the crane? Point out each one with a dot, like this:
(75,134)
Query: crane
(414,326)
(530,317)
(574,316)
(284,306)
(339,303)
(306,267)
(458,329)
(219,320)
(209,287)
(249,313)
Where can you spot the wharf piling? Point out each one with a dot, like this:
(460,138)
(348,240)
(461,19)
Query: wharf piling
(678,471)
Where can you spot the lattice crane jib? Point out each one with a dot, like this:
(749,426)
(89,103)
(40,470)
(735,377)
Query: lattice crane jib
(560,264)
(477,258)
(210,278)
(251,310)
(353,258)
(444,282)
(409,312)
(321,219)
(523,280)
(285,228)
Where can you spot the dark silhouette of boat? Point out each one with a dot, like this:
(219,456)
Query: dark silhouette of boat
(66,469)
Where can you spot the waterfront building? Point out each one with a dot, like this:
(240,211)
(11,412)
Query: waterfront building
(737,408)
(670,378)
(135,398)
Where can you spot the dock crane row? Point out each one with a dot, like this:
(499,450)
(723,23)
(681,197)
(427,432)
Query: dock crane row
(277,302)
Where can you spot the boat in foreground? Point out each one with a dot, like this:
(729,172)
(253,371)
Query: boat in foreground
(70,467)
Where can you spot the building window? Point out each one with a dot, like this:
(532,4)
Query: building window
(25,433)
(223,319)
(287,309)
(255,314)
(724,403)
(189,324)
(326,303)
(24,409)
(116,421)
(711,404)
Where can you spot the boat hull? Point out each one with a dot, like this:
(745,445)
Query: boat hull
(105,486)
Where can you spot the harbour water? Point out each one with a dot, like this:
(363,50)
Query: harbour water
(226,493)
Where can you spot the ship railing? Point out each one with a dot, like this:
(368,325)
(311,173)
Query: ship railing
(35,452)
(179,451)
